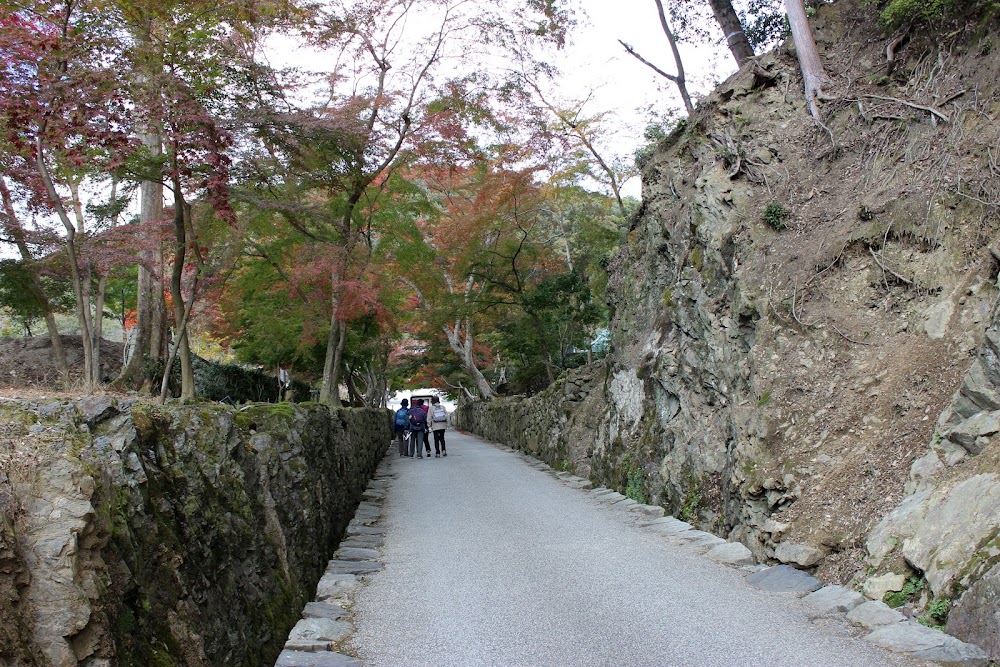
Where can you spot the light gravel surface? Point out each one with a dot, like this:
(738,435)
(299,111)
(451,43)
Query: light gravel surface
(489,561)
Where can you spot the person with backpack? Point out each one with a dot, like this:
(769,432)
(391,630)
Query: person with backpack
(418,426)
(401,426)
(439,422)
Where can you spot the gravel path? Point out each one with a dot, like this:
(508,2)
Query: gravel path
(491,562)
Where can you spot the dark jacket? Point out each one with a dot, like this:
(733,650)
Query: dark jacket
(418,417)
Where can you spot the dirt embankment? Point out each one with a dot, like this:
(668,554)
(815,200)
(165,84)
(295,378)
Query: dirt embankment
(28,367)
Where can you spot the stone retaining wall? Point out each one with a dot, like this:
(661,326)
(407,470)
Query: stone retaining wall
(149,535)
(558,426)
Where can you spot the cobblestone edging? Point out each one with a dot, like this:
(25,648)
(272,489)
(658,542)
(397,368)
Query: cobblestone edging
(318,639)
(885,626)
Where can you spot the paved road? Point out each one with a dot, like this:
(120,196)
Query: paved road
(491,562)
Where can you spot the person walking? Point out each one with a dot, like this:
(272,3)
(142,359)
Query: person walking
(420,403)
(439,419)
(418,426)
(401,426)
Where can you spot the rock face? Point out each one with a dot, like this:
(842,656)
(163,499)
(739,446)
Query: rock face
(802,345)
(149,535)
(976,616)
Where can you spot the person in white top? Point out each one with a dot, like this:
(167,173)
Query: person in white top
(438,419)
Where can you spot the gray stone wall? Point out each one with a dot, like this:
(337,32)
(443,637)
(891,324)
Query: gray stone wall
(150,535)
(559,426)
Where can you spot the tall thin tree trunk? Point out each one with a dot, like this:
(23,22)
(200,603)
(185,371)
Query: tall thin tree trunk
(732,28)
(813,74)
(181,342)
(97,314)
(98,330)
(565,237)
(16,231)
(329,391)
(338,362)
(82,308)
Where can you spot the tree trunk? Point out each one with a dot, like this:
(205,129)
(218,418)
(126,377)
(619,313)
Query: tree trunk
(181,344)
(354,397)
(544,343)
(732,28)
(463,349)
(16,232)
(82,308)
(149,327)
(813,74)
(97,334)
(329,390)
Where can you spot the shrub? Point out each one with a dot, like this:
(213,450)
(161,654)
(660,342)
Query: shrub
(936,614)
(690,506)
(634,489)
(775,215)
(911,590)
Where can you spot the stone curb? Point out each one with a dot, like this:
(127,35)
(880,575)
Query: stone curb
(327,622)
(887,627)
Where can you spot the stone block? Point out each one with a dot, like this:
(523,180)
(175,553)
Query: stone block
(698,539)
(669,528)
(324,610)
(783,579)
(835,599)
(355,553)
(624,504)
(802,555)
(336,585)
(731,553)
(307,645)
(95,409)
(289,658)
(319,630)
(898,525)
(647,510)
(363,542)
(979,388)
(875,588)
(352,567)
(874,614)
(925,643)
(968,432)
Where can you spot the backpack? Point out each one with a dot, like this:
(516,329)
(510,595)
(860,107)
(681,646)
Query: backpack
(418,417)
(440,414)
(402,419)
